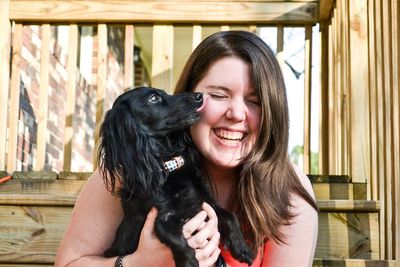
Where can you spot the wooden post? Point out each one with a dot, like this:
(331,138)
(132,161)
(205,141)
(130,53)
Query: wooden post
(5,41)
(14,99)
(43,98)
(71,95)
(101,85)
(307,99)
(196,36)
(129,66)
(163,48)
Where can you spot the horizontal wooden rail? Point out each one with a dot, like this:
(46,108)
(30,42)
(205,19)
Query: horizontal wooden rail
(305,11)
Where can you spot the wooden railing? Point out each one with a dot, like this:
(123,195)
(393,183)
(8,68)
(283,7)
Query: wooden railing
(162,16)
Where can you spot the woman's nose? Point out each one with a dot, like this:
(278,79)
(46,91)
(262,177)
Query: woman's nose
(236,111)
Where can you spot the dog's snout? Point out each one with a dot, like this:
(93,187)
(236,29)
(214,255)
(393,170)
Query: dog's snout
(197,97)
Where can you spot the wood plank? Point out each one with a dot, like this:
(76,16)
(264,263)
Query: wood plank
(395,13)
(129,67)
(359,91)
(162,61)
(71,94)
(5,48)
(325,9)
(353,263)
(348,235)
(326,191)
(42,116)
(40,192)
(196,40)
(307,99)
(31,234)
(349,205)
(14,99)
(165,11)
(102,51)
(324,100)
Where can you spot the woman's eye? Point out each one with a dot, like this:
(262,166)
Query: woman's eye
(254,101)
(154,99)
(220,96)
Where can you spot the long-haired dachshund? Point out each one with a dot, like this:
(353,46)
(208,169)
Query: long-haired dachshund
(144,138)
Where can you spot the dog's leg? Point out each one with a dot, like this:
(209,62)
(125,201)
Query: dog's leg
(232,237)
(127,236)
(171,234)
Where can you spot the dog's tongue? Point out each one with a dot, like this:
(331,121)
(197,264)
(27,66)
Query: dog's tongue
(204,104)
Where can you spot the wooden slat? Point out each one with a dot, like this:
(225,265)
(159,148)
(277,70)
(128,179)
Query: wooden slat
(332,191)
(348,235)
(359,91)
(387,113)
(325,8)
(379,134)
(42,116)
(197,29)
(395,38)
(348,205)
(374,179)
(323,154)
(129,67)
(307,99)
(71,94)
(353,263)
(5,44)
(162,64)
(31,234)
(165,11)
(101,84)
(14,99)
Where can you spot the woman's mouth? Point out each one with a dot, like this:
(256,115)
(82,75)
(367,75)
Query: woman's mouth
(228,135)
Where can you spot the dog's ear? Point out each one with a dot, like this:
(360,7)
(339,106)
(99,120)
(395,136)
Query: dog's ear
(127,153)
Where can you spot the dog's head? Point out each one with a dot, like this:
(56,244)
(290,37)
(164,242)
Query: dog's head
(136,131)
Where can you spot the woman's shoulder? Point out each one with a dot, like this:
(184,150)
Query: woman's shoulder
(305,182)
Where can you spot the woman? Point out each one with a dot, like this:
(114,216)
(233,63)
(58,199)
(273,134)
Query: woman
(243,137)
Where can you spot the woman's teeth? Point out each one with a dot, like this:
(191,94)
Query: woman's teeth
(228,135)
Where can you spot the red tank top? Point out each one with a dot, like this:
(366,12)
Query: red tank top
(231,262)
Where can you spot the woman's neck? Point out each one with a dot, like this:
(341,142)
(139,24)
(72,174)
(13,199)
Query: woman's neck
(222,183)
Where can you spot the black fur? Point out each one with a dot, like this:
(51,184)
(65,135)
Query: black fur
(145,128)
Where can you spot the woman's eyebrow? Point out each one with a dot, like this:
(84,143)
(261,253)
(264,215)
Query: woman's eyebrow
(217,87)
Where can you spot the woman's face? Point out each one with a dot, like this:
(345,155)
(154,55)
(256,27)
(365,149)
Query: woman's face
(230,122)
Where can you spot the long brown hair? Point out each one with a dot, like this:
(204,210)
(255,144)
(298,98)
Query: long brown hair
(267,177)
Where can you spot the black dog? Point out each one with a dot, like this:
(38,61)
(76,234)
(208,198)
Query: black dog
(145,129)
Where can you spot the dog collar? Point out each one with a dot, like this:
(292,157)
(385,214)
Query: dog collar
(174,164)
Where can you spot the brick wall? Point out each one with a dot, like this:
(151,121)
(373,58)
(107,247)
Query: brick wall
(84,115)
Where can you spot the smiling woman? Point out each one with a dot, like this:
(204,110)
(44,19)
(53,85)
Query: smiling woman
(242,136)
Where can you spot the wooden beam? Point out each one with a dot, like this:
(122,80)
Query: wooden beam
(165,11)
(101,85)
(42,116)
(5,48)
(307,99)
(163,49)
(14,99)
(71,95)
(129,66)
(325,9)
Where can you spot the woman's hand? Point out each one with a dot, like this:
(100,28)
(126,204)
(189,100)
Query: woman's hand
(150,251)
(202,235)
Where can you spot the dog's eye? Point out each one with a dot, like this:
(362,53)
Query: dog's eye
(154,98)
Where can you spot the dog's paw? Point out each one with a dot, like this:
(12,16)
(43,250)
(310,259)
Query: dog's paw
(241,252)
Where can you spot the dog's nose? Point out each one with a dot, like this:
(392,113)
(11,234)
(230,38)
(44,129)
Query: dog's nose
(197,97)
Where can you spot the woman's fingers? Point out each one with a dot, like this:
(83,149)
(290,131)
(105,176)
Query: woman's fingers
(194,224)
(211,246)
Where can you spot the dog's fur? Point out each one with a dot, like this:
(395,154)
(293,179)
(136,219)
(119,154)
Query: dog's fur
(145,128)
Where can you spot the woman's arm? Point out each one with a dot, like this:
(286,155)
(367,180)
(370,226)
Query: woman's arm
(301,235)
